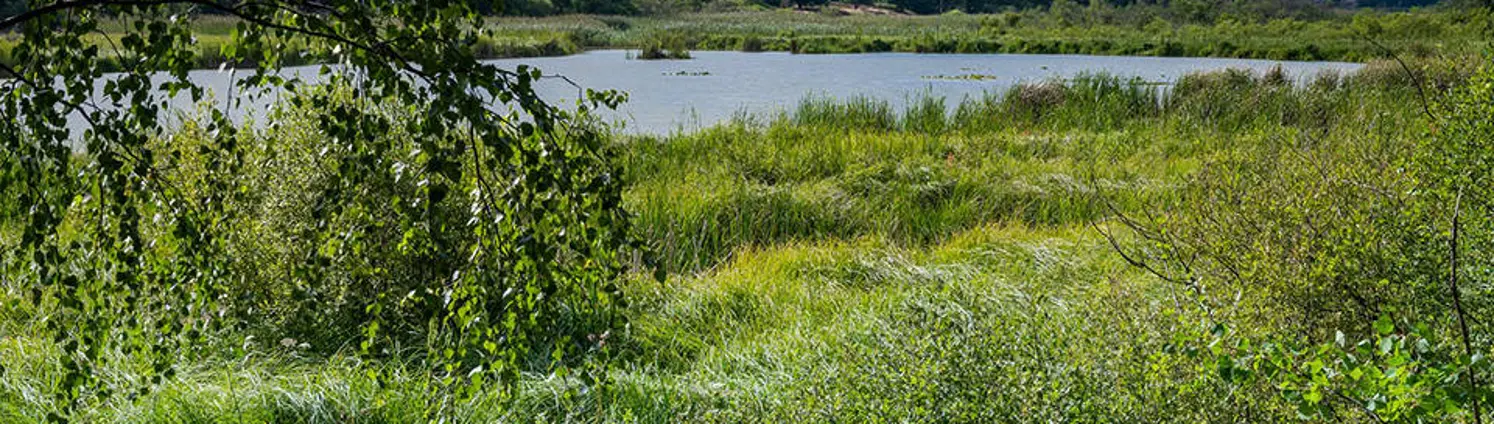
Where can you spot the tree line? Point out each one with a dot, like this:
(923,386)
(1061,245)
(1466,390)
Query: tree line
(1285,7)
(1295,8)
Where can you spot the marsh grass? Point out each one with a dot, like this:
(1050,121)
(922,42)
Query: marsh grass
(663,45)
(849,261)
(1000,323)
(926,114)
(1421,33)
(857,113)
(1417,33)
(1038,154)
(212,34)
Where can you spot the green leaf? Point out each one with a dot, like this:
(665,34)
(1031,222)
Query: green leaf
(1313,396)
(1384,325)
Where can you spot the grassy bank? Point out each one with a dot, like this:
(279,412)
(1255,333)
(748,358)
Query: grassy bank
(209,48)
(850,262)
(1342,37)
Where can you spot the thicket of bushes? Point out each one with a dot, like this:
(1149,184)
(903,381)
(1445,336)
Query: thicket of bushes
(1333,258)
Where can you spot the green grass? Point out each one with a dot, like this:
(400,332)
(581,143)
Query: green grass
(863,330)
(852,262)
(1037,155)
(211,37)
(1000,323)
(1337,37)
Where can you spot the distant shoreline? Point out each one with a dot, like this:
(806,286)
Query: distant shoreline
(1415,33)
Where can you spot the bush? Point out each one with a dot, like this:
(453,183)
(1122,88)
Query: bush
(1337,255)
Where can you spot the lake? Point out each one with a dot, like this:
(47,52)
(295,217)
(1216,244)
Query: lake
(681,95)
(670,95)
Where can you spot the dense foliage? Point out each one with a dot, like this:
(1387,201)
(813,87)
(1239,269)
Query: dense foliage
(415,220)
(1353,270)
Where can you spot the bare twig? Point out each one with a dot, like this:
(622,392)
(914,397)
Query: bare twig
(1452,282)
(580,91)
(1145,233)
(1415,80)
(1368,412)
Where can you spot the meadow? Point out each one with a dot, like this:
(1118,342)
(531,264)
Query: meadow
(844,261)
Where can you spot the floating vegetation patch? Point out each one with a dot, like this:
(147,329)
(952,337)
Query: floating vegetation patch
(655,52)
(663,45)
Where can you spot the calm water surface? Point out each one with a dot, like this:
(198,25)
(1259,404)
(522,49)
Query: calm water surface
(662,99)
(682,95)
